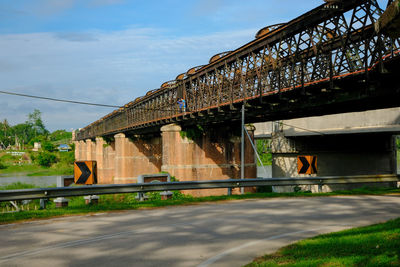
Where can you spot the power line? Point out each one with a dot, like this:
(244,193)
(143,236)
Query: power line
(81,103)
(59,100)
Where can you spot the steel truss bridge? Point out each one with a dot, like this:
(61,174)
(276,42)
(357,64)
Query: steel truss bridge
(329,60)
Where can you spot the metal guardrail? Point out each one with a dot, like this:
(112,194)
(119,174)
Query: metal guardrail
(40,193)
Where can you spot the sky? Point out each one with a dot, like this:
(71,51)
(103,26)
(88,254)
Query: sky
(113,51)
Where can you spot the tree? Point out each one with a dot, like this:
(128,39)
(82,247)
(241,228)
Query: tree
(398,142)
(5,133)
(35,120)
(47,146)
(60,135)
(45,159)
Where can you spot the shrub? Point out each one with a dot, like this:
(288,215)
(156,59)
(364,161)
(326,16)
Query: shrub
(67,157)
(45,159)
(2,166)
(47,146)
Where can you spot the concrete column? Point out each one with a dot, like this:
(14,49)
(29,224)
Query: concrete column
(133,157)
(82,150)
(89,152)
(250,159)
(123,161)
(108,163)
(77,150)
(99,146)
(213,156)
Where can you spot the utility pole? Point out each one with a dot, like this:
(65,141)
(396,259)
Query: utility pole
(242,152)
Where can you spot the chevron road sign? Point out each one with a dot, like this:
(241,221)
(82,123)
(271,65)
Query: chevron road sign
(85,172)
(306,164)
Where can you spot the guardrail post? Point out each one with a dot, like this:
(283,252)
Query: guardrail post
(43,202)
(93,199)
(62,181)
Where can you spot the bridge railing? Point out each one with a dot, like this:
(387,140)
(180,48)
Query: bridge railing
(320,47)
(40,193)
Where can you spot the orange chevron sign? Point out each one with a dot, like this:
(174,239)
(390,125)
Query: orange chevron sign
(306,164)
(85,172)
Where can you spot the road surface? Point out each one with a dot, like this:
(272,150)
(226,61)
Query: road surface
(222,234)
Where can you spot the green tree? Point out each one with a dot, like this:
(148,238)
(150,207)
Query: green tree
(263,151)
(60,135)
(45,159)
(23,132)
(47,146)
(35,121)
(5,133)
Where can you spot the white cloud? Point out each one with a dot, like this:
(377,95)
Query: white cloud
(102,67)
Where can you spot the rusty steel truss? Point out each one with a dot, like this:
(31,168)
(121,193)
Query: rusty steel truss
(329,44)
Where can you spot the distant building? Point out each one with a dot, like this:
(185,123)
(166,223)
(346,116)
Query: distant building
(37,146)
(63,148)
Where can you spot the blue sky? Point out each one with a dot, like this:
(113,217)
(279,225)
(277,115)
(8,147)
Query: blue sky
(112,51)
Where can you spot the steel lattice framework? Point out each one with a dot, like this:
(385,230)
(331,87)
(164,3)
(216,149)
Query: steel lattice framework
(323,47)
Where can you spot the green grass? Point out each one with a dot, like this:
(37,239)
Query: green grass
(10,165)
(128,202)
(375,245)
(35,170)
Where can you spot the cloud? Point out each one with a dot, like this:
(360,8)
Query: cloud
(76,36)
(98,3)
(101,67)
(209,7)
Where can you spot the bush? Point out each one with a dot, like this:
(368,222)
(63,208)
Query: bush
(67,157)
(47,146)
(45,159)
(2,166)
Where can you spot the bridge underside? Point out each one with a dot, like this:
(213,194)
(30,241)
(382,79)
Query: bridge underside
(364,91)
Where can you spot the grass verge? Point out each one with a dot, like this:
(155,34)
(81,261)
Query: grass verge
(375,245)
(35,170)
(128,202)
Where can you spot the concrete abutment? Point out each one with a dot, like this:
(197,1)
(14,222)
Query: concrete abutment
(337,155)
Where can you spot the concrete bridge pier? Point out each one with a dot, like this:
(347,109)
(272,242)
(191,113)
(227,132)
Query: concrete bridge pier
(337,155)
(135,156)
(210,155)
(105,157)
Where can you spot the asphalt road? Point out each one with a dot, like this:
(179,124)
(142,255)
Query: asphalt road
(222,234)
